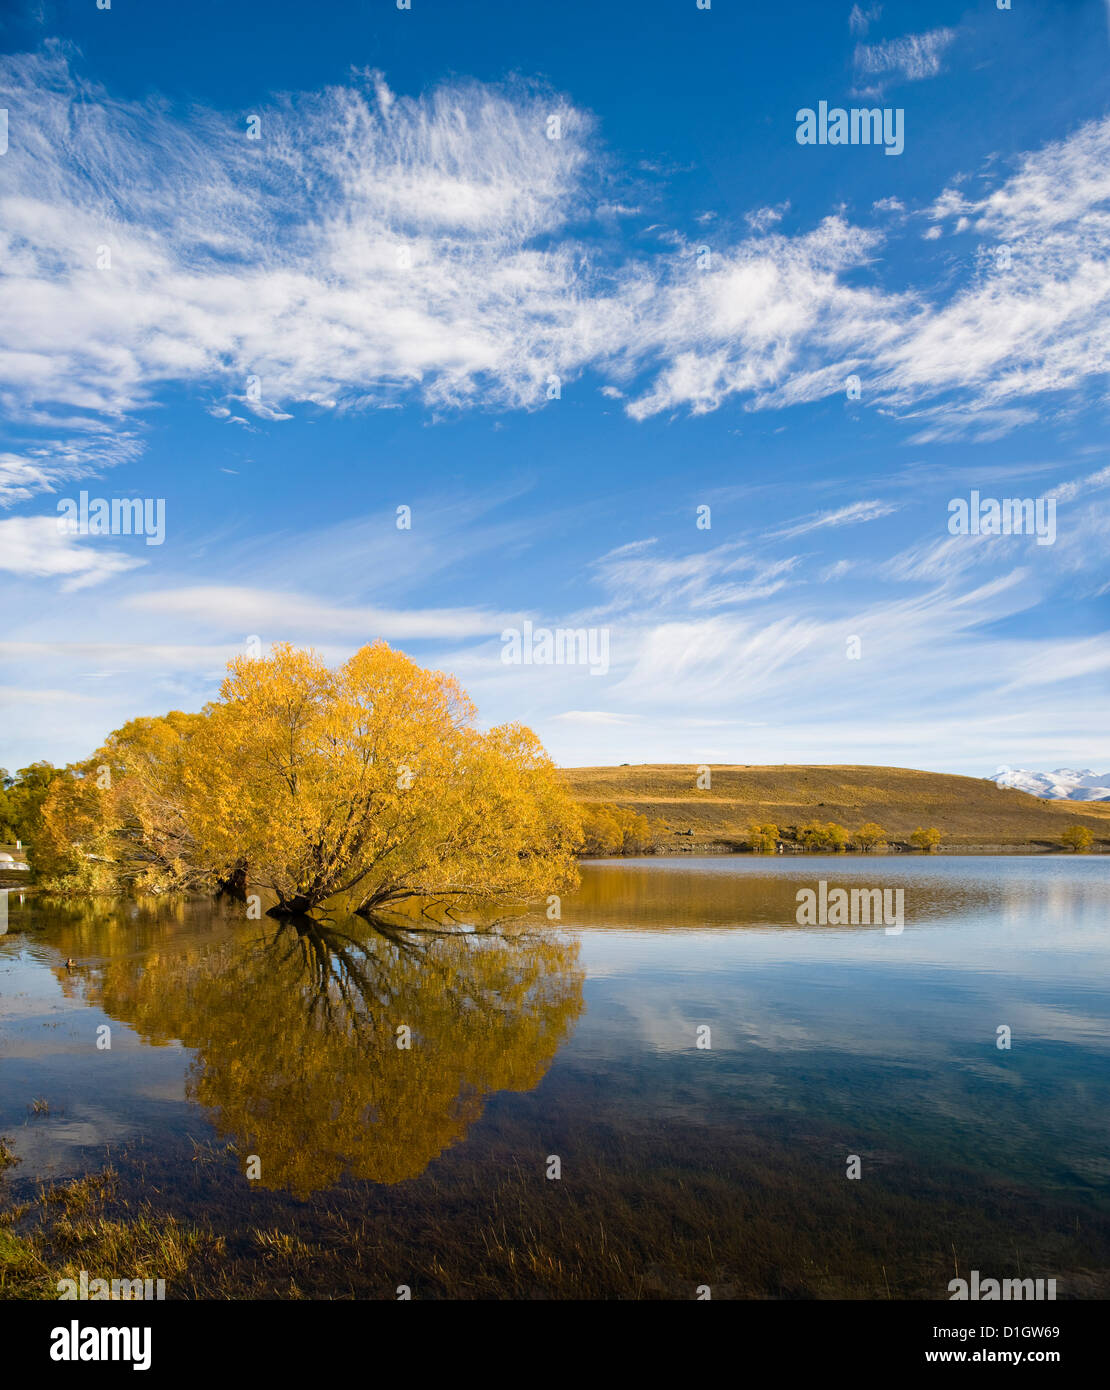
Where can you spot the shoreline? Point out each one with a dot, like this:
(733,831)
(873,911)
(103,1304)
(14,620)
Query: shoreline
(717,851)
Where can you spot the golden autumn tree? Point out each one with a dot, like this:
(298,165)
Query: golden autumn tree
(601,831)
(818,838)
(372,781)
(72,849)
(764,839)
(870,837)
(117,821)
(608,830)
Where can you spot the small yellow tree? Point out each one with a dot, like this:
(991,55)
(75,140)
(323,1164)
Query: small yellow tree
(1078,839)
(925,840)
(764,839)
(823,838)
(602,835)
(870,837)
(608,829)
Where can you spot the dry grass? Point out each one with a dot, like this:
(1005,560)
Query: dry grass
(86,1225)
(969,811)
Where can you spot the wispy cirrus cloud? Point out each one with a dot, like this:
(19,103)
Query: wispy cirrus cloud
(230,608)
(371,248)
(860,19)
(21,478)
(911,58)
(850,515)
(364,243)
(1076,487)
(43,466)
(636,575)
(770,309)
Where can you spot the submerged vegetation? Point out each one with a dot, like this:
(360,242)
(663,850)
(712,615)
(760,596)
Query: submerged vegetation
(87,1225)
(723,1211)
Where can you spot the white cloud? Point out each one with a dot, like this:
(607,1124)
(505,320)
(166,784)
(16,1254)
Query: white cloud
(912,58)
(860,20)
(635,576)
(227,608)
(763,219)
(20,479)
(594,716)
(977,424)
(851,515)
(700,662)
(22,695)
(1057,186)
(1065,660)
(766,311)
(33,546)
(373,247)
(944,558)
(44,465)
(365,243)
(97,657)
(1066,492)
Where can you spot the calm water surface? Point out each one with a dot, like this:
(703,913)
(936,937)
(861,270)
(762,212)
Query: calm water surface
(680,1164)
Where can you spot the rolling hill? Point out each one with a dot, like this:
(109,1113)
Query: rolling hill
(969,811)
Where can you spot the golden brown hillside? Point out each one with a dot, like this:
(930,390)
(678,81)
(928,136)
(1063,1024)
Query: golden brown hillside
(967,810)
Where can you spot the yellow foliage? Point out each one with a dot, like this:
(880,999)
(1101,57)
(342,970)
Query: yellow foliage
(925,840)
(870,836)
(609,830)
(369,780)
(764,839)
(823,837)
(118,820)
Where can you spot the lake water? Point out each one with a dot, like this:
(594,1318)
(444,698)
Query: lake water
(574,1048)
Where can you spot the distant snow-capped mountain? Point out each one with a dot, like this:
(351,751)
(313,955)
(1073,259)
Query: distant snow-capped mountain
(1065,784)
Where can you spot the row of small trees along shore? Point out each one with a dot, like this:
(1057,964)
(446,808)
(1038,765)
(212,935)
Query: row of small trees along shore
(829,838)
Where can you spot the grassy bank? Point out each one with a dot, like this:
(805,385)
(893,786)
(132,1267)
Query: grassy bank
(968,811)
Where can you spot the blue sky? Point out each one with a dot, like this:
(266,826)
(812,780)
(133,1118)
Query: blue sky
(404,260)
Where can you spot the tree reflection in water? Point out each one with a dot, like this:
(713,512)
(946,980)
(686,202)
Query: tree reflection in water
(299,1034)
